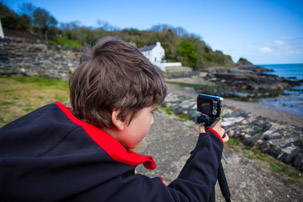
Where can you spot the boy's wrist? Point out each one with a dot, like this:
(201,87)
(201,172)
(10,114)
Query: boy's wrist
(216,133)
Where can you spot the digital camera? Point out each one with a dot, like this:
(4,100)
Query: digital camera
(211,108)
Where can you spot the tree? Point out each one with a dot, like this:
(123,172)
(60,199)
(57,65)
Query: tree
(11,20)
(187,53)
(43,20)
(27,9)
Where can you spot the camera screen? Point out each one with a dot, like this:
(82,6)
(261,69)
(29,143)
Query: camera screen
(206,108)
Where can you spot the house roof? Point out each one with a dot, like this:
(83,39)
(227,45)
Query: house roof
(147,48)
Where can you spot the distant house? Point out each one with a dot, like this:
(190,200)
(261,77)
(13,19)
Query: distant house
(1,30)
(155,54)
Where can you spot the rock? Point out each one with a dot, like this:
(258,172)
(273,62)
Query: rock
(263,147)
(289,157)
(231,133)
(231,121)
(176,109)
(243,62)
(252,140)
(247,81)
(298,160)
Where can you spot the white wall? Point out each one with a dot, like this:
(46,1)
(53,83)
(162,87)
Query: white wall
(157,53)
(1,30)
(172,64)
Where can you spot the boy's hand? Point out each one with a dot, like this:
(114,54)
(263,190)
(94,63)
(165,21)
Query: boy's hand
(165,183)
(202,128)
(218,129)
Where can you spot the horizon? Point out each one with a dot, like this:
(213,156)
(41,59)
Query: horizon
(268,32)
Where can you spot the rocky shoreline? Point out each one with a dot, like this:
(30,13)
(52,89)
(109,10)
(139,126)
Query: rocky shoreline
(282,141)
(171,139)
(246,82)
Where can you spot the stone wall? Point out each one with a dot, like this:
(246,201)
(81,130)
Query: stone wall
(33,58)
(173,72)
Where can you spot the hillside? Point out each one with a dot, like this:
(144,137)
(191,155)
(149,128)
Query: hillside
(179,44)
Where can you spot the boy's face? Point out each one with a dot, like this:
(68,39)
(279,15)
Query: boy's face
(138,128)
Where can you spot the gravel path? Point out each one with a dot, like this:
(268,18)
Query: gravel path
(170,142)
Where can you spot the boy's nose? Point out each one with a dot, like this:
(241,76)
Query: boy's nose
(152,120)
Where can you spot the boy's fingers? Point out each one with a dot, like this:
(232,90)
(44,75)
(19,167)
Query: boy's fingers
(202,128)
(165,183)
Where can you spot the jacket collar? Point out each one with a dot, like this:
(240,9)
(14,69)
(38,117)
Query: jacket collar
(109,144)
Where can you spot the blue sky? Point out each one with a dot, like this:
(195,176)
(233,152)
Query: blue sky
(263,31)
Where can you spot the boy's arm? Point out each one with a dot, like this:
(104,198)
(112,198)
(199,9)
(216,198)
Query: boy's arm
(196,180)
(199,175)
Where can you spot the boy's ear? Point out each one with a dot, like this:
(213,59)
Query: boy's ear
(117,121)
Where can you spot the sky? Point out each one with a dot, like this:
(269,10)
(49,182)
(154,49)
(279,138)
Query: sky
(262,31)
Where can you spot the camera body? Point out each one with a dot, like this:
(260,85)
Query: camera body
(211,108)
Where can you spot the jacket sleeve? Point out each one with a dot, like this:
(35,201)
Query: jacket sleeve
(199,175)
(196,180)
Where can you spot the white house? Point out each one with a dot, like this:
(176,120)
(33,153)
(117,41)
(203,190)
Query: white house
(155,54)
(1,30)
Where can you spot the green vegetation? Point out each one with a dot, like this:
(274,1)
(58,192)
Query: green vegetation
(167,110)
(66,42)
(233,143)
(32,19)
(21,95)
(187,54)
(183,117)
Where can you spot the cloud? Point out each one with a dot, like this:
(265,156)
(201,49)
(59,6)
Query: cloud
(265,50)
(279,42)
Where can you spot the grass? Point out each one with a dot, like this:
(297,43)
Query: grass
(167,110)
(233,143)
(183,117)
(66,42)
(21,95)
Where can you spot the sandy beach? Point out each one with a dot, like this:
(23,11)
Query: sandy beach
(259,109)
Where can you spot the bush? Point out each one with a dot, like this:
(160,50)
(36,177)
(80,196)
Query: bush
(66,42)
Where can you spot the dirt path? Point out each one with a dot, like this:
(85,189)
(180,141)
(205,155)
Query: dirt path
(170,141)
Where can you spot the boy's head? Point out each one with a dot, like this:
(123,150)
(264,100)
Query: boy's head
(114,76)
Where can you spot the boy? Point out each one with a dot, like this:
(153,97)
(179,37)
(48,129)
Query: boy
(83,153)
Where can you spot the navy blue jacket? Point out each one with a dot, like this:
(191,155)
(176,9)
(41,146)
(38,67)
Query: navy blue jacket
(50,155)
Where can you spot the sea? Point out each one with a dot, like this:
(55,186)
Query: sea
(292,101)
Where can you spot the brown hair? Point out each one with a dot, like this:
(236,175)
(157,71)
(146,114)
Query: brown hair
(114,75)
